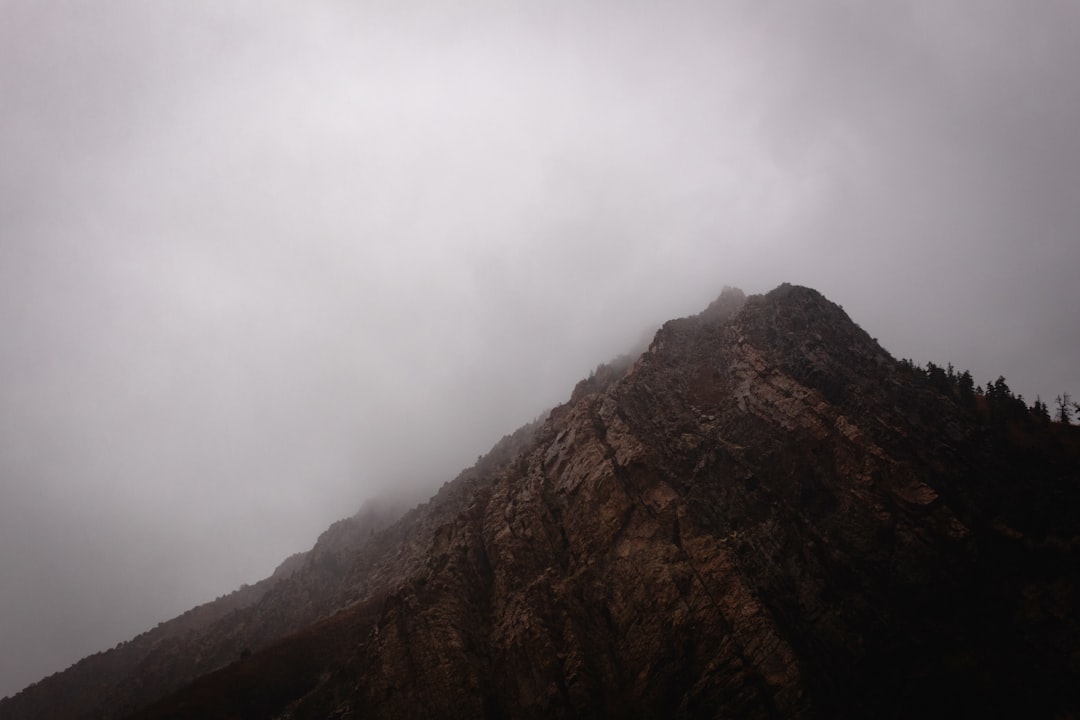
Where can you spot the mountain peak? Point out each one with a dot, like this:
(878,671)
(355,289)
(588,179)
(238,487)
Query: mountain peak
(730,301)
(763,515)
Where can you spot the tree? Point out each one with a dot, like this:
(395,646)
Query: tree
(1064,409)
(1039,410)
(938,378)
(998,391)
(965,384)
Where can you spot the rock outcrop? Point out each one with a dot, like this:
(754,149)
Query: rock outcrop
(763,515)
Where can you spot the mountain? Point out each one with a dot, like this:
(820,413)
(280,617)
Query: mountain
(762,515)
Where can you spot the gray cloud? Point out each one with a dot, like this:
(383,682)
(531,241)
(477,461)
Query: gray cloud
(260,261)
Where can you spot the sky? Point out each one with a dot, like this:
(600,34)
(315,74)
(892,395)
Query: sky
(263,260)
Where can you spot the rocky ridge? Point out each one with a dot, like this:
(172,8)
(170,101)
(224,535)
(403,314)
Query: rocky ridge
(763,515)
(304,588)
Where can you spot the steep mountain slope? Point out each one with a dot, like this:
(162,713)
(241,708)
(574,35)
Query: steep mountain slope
(303,589)
(198,641)
(765,515)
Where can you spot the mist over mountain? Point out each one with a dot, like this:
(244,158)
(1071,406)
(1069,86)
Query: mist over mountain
(263,262)
(763,514)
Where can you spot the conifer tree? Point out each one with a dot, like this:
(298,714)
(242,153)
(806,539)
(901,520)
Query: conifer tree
(1064,409)
(1039,410)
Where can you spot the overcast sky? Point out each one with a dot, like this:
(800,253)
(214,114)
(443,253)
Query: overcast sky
(261,260)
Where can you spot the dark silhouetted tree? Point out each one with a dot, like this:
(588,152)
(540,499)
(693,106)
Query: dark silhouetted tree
(998,391)
(1039,410)
(1064,409)
(965,385)
(1004,407)
(939,380)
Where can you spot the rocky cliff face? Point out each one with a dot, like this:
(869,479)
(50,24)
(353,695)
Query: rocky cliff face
(764,515)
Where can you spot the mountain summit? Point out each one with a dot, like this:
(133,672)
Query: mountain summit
(762,515)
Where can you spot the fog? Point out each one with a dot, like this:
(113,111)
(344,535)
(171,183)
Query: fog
(260,261)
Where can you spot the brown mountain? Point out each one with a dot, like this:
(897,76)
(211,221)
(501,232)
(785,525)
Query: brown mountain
(763,515)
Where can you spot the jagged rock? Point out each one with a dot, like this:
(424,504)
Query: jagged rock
(760,516)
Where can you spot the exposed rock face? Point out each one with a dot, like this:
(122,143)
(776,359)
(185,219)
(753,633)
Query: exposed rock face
(763,516)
